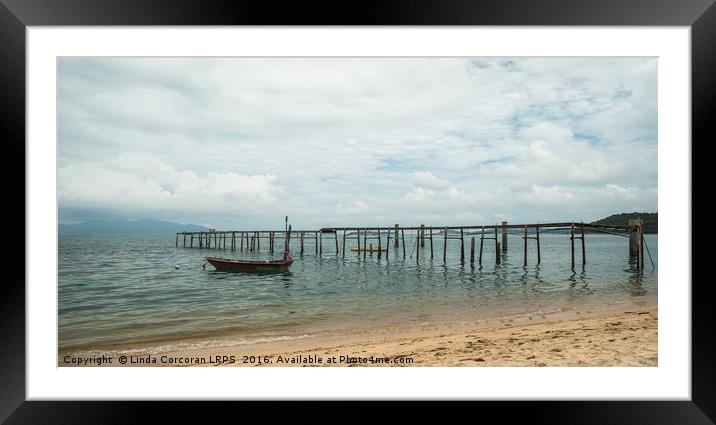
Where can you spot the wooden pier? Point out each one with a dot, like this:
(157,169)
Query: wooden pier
(313,240)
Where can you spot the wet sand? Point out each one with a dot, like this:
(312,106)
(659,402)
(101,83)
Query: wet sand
(626,337)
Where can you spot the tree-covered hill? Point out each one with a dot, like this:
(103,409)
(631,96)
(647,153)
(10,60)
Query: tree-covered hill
(651,220)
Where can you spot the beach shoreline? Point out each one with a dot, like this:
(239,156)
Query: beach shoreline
(621,335)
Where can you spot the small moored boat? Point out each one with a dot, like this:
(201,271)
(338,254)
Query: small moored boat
(231,264)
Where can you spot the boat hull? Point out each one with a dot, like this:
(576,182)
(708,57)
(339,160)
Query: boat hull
(230,265)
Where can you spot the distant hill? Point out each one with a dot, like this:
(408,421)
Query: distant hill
(119,227)
(651,220)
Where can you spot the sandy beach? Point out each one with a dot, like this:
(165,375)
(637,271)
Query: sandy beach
(625,337)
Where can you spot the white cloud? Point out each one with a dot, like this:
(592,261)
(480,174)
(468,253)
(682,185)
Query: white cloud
(356,140)
(426,180)
(140,183)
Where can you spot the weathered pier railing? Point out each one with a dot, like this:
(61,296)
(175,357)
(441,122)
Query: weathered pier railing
(250,240)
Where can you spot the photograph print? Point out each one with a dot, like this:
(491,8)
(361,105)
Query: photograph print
(357,211)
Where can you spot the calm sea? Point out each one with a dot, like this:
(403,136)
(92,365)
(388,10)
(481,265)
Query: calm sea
(123,292)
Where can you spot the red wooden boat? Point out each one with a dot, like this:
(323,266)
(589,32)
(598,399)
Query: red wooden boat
(230,264)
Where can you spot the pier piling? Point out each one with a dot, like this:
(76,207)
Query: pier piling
(482,240)
(431,243)
(525,262)
(380,251)
(462,248)
(365,241)
(387,243)
(417,247)
(571,237)
(344,243)
(402,237)
(584,249)
(445,238)
(504,236)
(539,256)
(472,250)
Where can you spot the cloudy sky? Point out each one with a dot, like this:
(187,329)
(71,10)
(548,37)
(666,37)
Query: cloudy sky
(241,142)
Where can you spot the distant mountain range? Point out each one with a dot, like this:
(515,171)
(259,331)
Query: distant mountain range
(117,227)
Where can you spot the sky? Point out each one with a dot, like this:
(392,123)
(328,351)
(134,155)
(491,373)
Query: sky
(239,143)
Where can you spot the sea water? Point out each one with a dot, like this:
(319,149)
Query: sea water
(141,292)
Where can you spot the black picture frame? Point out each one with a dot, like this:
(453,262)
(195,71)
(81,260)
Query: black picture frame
(16,15)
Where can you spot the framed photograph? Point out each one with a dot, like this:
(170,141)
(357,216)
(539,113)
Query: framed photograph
(394,205)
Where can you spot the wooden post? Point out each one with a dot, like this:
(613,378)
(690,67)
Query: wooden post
(380,252)
(539,259)
(371,249)
(344,243)
(462,248)
(525,263)
(320,242)
(365,241)
(387,243)
(504,236)
(358,238)
(201,240)
(417,247)
(316,241)
(177,242)
(571,237)
(634,237)
(258,242)
(445,246)
(431,243)
(335,237)
(472,250)
(482,240)
(584,253)
(402,236)
(498,260)
(422,236)
(397,241)
(302,235)
(191,241)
